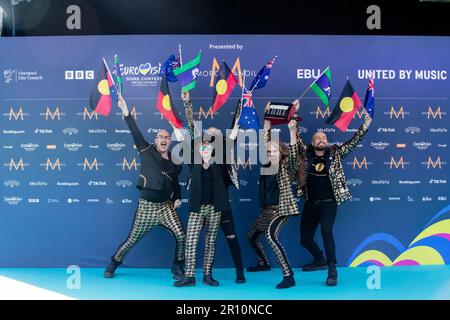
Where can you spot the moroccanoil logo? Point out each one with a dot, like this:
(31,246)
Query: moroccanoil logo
(360,113)
(397,113)
(56,114)
(53,165)
(19,165)
(360,164)
(437,164)
(397,164)
(205,114)
(236,67)
(244,165)
(15,115)
(321,113)
(129,165)
(436,114)
(90,165)
(89,114)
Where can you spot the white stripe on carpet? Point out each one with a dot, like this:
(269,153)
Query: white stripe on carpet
(16,290)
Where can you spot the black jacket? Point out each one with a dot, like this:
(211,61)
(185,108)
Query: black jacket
(224,175)
(221,182)
(153,175)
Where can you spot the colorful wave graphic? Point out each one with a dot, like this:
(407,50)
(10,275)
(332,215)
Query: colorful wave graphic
(430,247)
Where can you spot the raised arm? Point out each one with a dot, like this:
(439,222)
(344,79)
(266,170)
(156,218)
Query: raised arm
(351,144)
(292,160)
(302,147)
(185,96)
(267,126)
(139,141)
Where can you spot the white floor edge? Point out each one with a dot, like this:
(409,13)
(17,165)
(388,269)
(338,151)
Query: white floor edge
(11,289)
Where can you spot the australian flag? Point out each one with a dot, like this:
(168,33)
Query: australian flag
(369,101)
(248,118)
(262,76)
(168,66)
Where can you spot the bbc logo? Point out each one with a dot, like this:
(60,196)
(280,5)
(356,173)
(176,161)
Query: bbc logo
(79,75)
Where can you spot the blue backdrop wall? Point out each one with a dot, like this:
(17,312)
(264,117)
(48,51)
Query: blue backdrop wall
(57,209)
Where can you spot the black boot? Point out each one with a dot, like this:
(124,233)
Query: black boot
(332,275)
(210,281)
(110,269)
(317,264)
(240,277)
(178,269)
(262,266)
(185,282)
(288,281)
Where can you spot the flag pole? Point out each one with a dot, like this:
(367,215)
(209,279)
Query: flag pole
(179,53)
(110,75)
(301,96)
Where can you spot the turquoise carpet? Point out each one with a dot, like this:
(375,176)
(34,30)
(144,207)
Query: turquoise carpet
(421,282)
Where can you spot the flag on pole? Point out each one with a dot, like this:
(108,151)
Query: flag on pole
(225,83)
(117,73)
(165,105)
(346,107)
(322,86)
(168,68)
(104,92)
(249,118)
(369,101)
(187,74)
(262,76)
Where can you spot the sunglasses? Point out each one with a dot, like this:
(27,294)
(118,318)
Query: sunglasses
(205,147)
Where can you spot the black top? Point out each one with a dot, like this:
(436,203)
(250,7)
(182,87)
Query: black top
(318,184)
(207,186)
(269,192)
(159,195)
(158,179)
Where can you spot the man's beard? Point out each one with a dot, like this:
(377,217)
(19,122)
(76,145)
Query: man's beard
(321,148)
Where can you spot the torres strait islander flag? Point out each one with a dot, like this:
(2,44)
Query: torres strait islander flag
(225,83)
(346,107)
(165,105)
(322,86)
(104,92)
(187,73)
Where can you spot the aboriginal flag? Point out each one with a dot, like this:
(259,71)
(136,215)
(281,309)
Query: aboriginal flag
(165,105)
(104,92)
(346,107)
(225,83)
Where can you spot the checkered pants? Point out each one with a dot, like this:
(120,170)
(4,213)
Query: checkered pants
(149,215)
(269,222)
(211,220)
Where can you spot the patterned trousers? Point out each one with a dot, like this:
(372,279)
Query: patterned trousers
(269,222)
(211,220)
(149,215)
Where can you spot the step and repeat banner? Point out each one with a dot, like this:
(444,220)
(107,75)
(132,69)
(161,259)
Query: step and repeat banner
(68,175)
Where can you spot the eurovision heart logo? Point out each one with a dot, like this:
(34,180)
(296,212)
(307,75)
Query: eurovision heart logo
(430,247)
(145,68)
